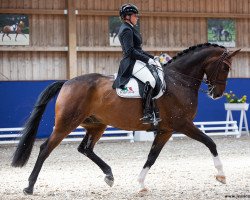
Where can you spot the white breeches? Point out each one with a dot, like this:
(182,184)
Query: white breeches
(141,72)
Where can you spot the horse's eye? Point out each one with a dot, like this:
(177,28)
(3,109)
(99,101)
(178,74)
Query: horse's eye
(225,68)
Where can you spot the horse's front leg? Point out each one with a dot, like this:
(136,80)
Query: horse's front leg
(16,36)
(193,132)
(159,142)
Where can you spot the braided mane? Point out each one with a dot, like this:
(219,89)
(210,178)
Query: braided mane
(192,48)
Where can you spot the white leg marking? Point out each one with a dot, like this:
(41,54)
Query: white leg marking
(142,177)
(218,165)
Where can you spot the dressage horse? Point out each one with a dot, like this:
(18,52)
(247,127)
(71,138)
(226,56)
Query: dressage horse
(218,32)
(16,28)
(90,101)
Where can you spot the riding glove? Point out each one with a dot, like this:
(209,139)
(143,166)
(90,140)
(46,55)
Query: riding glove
(151,62)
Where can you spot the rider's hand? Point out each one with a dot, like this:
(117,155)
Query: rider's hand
(157,58)
(151,62)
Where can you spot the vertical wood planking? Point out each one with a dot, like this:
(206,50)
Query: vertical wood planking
(72,55)
(51,31)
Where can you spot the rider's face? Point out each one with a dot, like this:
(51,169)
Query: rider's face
(134,19)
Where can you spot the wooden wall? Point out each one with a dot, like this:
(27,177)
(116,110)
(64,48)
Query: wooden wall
(166,25)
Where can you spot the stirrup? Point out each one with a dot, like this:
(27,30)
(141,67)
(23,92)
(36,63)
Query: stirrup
(157,119)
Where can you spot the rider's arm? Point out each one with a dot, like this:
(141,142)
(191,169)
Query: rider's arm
(148,54)
(128,46)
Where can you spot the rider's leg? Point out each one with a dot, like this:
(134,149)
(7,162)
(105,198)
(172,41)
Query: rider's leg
(156,111)
(148,116)
(141,72)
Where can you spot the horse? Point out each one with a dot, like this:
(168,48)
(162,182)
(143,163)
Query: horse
(90,101)
(227,35)
(115,32)
(16,28)
(219,32)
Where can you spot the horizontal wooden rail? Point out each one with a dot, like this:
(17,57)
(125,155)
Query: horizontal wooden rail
(32,48)
(166,14)
(100,49)
(34,11)
(115,13)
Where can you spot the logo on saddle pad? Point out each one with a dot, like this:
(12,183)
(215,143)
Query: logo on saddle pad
(127,90)
(131,90)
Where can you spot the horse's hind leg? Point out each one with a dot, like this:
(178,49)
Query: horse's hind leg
(193,132)
(45,149)
(93,134)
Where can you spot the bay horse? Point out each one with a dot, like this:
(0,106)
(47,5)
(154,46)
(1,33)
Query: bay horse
(90,101)
(16,28)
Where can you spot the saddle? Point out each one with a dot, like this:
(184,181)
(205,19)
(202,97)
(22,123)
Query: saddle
(134,88)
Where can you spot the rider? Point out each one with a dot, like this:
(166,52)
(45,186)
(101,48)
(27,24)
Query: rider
(135,61)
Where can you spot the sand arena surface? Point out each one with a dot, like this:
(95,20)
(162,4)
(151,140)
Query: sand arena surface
(184,170)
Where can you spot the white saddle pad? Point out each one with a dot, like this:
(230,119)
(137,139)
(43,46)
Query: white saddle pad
(131,89)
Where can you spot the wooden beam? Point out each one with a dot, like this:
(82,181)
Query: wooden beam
(115,13)
(167,14)
(153,49)
(100,49)
(33,11)
(32,48)
(72,54)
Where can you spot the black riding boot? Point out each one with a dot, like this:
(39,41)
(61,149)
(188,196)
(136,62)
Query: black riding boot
(156,111)
(148,116)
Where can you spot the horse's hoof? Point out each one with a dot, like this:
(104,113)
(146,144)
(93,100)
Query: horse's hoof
(28,191)
(221,179)
(109,179)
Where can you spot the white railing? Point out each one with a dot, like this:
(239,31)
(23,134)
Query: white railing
(213,128)
(109,134)
(216,128)
(10,135)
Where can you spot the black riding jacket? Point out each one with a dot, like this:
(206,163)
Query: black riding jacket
(131,42)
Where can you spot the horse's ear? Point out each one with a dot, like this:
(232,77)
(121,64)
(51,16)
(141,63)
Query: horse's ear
(232,54)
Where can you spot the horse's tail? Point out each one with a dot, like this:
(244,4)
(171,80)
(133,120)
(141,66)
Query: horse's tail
(29,132)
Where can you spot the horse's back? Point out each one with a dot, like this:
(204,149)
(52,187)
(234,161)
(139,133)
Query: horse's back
(92,79)
(86,86)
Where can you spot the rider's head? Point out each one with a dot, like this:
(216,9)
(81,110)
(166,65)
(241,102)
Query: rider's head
(130,13)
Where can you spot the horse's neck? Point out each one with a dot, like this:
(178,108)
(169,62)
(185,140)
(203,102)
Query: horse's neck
(191,68)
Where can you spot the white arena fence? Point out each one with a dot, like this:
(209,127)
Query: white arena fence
(11,135)
(216,128)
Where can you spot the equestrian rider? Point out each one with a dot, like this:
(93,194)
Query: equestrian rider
(135,61)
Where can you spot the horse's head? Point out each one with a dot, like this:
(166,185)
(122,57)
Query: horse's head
(216,69)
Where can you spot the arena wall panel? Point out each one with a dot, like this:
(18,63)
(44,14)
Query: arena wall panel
(19,97)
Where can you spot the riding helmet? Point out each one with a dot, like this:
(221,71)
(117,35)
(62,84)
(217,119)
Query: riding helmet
(128,9)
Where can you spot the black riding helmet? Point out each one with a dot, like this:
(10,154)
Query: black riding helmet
(128,9)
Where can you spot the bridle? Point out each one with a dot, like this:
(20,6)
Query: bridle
(215,73)
(213,78)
